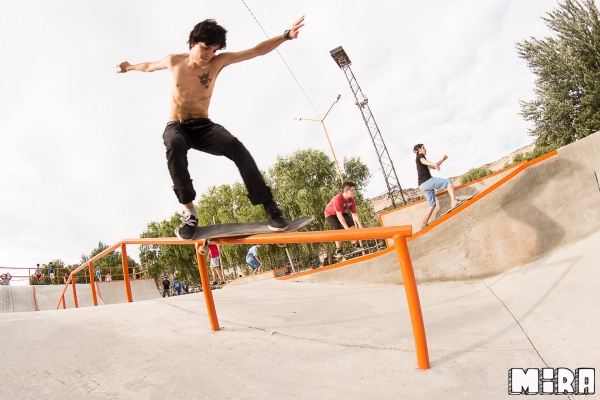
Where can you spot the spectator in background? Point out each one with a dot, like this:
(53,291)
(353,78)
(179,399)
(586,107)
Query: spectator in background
(5,279)
(215,264)
(51,272)
(107,277)
(166,286)
(98,274)
(314,263)
(38,273)
(186,287)
(177,286)
(253,260)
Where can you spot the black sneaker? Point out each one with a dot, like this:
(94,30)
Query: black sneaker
(356,248)
(187,229)
(338,254)
(277,221)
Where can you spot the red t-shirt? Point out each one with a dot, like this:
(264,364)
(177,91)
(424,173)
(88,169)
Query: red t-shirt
(338,203)
(213,250)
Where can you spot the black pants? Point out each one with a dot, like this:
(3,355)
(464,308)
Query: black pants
(203,135)
(335,223)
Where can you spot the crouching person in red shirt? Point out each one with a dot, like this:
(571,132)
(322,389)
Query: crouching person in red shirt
(338,218)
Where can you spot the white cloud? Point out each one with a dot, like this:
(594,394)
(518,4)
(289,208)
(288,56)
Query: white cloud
(81,153)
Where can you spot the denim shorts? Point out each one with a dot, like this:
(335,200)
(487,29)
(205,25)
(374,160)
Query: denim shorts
(254,264)
(428,188)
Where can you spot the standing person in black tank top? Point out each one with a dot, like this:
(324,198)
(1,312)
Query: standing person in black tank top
(428,184)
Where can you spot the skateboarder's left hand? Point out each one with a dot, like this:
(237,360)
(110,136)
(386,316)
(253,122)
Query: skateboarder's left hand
(296,28)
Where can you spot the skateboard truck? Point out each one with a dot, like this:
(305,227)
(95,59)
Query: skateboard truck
(203,250)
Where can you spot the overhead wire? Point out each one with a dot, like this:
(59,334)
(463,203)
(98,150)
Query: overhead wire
(282,59)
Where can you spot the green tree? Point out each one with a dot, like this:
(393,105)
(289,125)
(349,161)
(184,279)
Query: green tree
(567,69)
(110,262)
(474,174)
(179,260)
(302,184)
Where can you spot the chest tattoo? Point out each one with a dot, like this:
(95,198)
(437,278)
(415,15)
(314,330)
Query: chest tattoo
(204,98)
(204,79)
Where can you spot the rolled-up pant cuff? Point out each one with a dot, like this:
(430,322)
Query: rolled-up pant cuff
(185,194)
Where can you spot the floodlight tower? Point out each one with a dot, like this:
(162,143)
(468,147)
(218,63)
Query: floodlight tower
(387,167)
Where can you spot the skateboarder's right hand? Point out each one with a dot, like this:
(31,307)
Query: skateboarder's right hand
(122,68)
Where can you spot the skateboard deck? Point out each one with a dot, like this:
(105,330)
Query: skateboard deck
(460,202)
(245,229)
(368,250)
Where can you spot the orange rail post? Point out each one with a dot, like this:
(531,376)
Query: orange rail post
(63,302)
(208,299)
(94,298)
(412,297)
(126,272)
(74,292)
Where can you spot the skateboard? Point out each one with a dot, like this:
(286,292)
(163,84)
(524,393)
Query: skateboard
(459,203)
(242,229)
(214,286)
(372,249)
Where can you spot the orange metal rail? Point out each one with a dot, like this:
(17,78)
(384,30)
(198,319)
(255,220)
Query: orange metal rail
(397,233)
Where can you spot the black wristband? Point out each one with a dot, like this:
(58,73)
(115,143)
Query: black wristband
(286,35)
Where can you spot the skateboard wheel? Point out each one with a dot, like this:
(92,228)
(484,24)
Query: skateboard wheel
(281,244)
(203,250)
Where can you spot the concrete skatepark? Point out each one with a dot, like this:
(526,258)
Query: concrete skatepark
(46,297)
(508,281)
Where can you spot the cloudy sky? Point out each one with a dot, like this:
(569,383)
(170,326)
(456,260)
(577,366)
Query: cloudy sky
(81,154)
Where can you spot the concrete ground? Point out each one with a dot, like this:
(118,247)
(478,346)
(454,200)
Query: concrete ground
(286,340)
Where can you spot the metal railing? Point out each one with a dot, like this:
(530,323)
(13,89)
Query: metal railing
(397,233)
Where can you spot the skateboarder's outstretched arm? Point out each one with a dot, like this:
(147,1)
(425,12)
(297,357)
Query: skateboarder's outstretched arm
(264,47)
(441,161)
(145,66)
(429,164)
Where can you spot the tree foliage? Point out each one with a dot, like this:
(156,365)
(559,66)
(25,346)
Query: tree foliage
(302,184)
(474,174)
(530,155)
(567,66)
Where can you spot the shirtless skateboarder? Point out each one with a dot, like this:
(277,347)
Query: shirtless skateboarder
(194,76)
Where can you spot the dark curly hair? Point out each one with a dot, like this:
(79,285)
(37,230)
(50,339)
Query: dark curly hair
(208,32)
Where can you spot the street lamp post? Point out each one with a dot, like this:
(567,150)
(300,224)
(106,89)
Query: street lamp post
(322,121)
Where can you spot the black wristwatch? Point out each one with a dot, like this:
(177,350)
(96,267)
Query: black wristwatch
(286,35)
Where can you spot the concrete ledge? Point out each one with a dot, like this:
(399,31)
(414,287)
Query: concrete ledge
(244,280)
(549,203)
(16,299)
